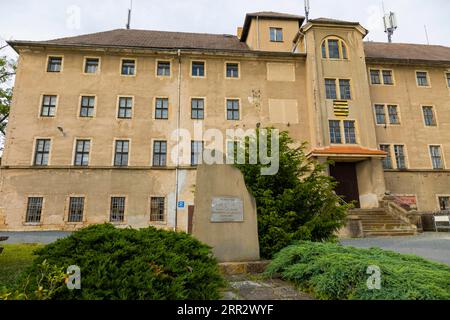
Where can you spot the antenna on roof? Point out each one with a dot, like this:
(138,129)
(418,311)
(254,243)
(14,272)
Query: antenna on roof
(426,34)
(390,24)
(307,9)
(129,14)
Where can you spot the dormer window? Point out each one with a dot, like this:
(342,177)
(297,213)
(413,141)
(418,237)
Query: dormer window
(276,35)
(334,48)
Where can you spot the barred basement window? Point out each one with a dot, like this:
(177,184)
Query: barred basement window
(400,158)
(128,67)
(121,154)
(162,108)
(82,149)
(54,64)
(344,87)
(76,209)
(197,109)
(232,70)
(233,109)
(157,213)
(87,107)
(196,152)
(335,132)
(436,157)
(125,108)
(117,209)
(34,210)
(198,69)
(163,69)
(350,132)
(48,106)
(42,152)
(91,65)
(387,162)
(159,153)
(380,114)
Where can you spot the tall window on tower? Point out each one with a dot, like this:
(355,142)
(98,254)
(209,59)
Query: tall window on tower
(334,48)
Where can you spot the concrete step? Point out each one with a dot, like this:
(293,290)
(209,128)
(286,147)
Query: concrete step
(389,233)
(387,227)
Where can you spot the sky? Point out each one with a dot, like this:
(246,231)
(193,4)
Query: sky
(50,19)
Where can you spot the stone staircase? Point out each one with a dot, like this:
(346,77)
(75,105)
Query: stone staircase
(379,223)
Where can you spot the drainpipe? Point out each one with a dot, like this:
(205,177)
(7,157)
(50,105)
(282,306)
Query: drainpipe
(178,140)
(257,32)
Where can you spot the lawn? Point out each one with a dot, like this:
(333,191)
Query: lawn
(15,259)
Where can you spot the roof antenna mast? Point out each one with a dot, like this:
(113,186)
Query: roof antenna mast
(390,24)
(129,15)
(307,9)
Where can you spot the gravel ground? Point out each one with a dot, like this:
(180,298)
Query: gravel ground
(430,245)
(43,237)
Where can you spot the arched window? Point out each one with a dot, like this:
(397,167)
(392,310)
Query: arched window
(334,48)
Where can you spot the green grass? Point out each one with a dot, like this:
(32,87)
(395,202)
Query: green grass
(15,259)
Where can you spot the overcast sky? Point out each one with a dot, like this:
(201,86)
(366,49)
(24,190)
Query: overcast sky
(48,19)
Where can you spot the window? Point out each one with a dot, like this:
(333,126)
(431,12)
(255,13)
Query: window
(163,69)
(34,210)
(444,203)
(436,157)
(335,132)
(82,150)
(41,156)
(330,89)
(54,64)
(448,79)
(232,70)
(117,209)
(121,153)
(350,132)
(429,117)
(157,212)
(400,159)
(48,106)
(159,153)
(125,108)
(91,65)
(197,108)
(334,49)
(380,114)
(196,152)
(387,77)
(393,114)
(87,107)
(276,34)
(375,77)
(232,109)
(128,67)
(198,69)
(76,209)
(422,79)
(344,87)
(387,162)
(162,108)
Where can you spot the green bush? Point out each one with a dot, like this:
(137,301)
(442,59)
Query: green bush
(297,203)
(127,264)
(335,272)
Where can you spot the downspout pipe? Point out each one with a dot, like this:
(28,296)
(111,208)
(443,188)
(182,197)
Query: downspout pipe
(178,140)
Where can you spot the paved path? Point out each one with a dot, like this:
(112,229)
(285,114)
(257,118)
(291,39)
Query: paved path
(43,237)
(254,287)
(430,245)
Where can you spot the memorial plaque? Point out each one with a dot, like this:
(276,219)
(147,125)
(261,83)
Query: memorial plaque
(227,209)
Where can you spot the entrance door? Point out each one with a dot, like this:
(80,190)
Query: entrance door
(345,175)
(190,218)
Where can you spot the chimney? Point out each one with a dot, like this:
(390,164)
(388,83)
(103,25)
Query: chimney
(239,32)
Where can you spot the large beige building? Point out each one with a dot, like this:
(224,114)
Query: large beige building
(91,131)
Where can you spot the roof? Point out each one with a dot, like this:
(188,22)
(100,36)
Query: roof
(332,21)
(406,52)
(268,15)
(353,151)
(149,39)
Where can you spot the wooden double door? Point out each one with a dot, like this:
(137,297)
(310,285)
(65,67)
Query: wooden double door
(345,175)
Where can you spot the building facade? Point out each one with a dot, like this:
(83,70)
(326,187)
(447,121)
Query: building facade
(91,136)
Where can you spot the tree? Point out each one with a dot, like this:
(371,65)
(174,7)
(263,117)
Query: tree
(298,203)
(7,72)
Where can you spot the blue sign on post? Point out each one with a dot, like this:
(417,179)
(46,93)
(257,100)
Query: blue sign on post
(181,204)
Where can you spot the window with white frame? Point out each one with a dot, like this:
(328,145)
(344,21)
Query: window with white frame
(122,149)
(91,65)
(87,106)
(429,116)
(334,48)
(42,152)
(159,153)
(400,157)
(276,34)
(48,108)
(422,78)
(54,64)
(82,150)
(387,162)
(436,157)
(125,108)
(163,69)
(128,67)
